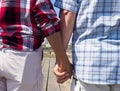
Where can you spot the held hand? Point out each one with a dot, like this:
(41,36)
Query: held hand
(63,71)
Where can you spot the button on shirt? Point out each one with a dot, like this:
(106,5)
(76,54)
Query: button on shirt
(25,23)
(96,39)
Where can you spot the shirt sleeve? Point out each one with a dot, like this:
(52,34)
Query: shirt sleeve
(46,17)
(71,5)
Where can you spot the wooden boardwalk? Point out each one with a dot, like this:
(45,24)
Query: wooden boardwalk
(50,83)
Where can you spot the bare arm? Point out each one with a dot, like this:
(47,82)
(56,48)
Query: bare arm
(67,25)
(57,45)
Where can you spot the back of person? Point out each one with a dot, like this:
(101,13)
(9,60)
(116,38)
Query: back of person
(23,23)
(95,43)
(23,26)
(17,26)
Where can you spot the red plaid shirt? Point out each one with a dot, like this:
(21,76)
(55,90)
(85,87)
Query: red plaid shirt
(25,23)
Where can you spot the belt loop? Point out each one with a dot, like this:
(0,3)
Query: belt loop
(75,79)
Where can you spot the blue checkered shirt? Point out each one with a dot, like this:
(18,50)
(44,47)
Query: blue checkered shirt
(96,39)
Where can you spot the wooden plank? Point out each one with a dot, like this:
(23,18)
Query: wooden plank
(66,85)
(45,69)
(52,84)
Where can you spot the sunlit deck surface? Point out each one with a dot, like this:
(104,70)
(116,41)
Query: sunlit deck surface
(50,83)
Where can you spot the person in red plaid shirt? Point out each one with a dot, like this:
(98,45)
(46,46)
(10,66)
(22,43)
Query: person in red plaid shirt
(23,26)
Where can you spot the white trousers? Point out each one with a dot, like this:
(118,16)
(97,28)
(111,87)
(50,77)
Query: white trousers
(20,71)
(81,86)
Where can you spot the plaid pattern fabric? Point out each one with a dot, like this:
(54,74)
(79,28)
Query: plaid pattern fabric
(96,39)
(25,23)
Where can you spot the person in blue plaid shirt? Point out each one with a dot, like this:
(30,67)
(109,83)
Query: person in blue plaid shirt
(95,25)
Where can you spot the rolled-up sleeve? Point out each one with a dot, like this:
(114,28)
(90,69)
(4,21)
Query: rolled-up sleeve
(46,17)
(71,5)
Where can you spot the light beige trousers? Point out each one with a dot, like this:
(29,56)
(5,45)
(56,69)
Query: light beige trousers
(20,71)
(81,86)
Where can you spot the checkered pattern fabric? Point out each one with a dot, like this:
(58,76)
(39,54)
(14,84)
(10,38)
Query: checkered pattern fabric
(96,39)
(25,23)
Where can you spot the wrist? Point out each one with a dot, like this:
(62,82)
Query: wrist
(62,61)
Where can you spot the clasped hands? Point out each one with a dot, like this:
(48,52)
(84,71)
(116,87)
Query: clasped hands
(63,71)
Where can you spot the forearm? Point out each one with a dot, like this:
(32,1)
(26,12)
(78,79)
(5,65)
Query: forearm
(57,45)
(67,25)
